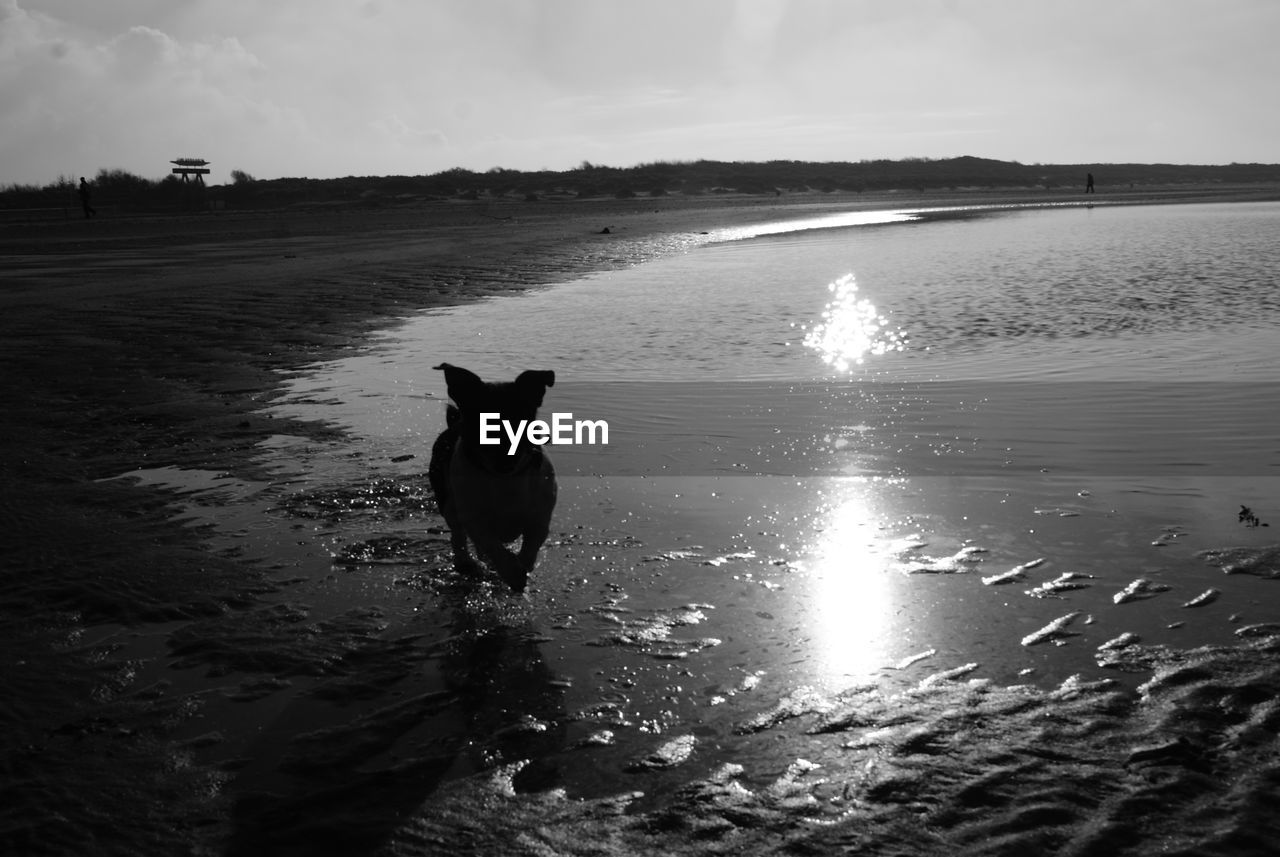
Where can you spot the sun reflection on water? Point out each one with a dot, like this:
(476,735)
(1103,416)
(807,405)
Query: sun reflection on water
(832,220)
(853,597)
(851,328)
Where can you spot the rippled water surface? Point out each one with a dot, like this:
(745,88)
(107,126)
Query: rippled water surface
(1090,387)
(1074,293)
(883,452)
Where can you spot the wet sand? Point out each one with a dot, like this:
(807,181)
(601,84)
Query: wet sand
(155,342)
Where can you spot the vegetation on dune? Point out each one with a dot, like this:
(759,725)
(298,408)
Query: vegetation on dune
(129,193)
(116,188)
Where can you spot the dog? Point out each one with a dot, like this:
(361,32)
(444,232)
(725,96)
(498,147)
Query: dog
(484,493)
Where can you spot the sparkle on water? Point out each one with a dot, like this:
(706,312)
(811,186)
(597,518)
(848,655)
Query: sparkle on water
(851,328)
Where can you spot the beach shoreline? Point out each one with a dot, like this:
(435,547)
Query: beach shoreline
(182,310)
(159,342)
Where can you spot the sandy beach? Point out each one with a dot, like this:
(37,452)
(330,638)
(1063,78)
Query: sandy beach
(158,342)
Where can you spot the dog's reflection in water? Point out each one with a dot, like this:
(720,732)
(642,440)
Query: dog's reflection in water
(512,702)
(346,765)
(487,492)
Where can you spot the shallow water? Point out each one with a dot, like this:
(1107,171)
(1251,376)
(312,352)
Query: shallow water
(1082,294)
(1008,366)
(1084,391)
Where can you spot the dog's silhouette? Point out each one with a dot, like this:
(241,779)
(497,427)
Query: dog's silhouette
(486,493)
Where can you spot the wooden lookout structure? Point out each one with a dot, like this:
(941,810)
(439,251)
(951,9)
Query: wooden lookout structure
(188,167)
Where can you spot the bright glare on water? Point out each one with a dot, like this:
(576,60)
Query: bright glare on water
(851,329)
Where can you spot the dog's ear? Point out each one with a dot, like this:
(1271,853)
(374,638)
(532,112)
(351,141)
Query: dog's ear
(530,377)
(464,385)
(533,384)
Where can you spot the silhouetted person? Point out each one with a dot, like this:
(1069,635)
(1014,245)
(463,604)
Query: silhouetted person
(1088,184)
(89,210)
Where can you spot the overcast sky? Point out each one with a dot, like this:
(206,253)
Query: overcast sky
(379,87)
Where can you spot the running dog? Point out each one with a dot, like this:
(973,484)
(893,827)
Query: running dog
(486,492)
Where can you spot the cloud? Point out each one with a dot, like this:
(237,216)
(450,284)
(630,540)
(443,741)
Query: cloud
(402,134)
(333,87)
(135,99)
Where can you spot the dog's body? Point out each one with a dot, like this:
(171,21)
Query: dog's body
(485,494)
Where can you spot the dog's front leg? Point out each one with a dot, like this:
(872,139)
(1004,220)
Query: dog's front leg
(462,559)
(537,526)
(530,544)
(509,567)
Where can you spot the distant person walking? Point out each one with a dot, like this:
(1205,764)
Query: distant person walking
(89,210)
(1088,184)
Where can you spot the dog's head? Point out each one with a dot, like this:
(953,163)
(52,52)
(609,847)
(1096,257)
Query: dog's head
(513,401)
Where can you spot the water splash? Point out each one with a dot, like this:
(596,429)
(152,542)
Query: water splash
(851,328)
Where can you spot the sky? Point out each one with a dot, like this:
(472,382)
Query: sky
(327,88)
